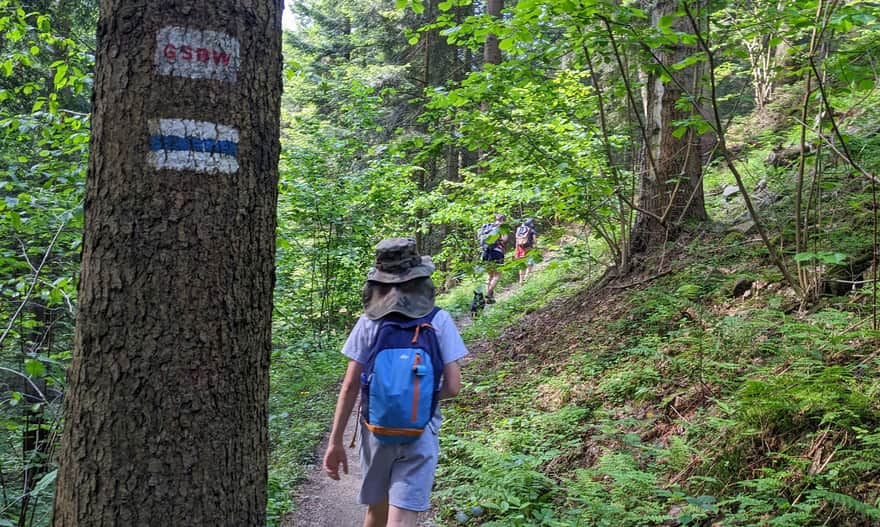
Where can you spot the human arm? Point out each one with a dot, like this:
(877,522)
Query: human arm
(452,349)
(335,454)
(451,380)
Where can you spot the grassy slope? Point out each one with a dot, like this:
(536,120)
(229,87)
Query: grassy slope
(668,401)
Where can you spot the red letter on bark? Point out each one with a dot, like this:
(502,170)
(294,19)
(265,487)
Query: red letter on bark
(220,56)
(170,53)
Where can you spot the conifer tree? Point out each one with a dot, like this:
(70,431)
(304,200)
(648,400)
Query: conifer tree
(165,415)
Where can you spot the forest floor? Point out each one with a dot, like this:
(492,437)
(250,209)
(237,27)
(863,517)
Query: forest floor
(323,502)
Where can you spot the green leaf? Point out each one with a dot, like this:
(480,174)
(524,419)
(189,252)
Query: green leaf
(848,502)
(866,84)
(507,44)
(445,6)
(665,22)
(45,481)
(60,75)
(34,368)
(689,291)
(43,23)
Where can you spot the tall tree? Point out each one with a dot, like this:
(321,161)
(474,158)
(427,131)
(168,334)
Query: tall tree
(671,188)
(166,407)
(491,51)
(491,55)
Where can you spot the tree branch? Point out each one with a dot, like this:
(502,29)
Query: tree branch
(34,280)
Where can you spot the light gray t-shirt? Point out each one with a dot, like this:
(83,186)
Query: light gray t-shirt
(361,337)
(452,347)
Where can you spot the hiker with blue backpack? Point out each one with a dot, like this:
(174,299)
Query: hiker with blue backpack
(403,354)
(492,238)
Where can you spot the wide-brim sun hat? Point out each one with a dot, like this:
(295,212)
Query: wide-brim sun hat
(413,299)
(398,261)
(400,282)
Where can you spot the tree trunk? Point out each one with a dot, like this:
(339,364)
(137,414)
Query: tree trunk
(491,55)
(166,410)
(468,158)
(671,186)
(491,51)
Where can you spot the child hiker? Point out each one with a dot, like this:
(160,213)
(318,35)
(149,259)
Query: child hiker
(398,459)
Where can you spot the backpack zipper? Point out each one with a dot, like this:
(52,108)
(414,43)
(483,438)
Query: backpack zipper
(415,404)
(416,363)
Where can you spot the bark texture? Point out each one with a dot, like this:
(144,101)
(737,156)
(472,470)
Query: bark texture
(167,402)
(671,185)
(491,51)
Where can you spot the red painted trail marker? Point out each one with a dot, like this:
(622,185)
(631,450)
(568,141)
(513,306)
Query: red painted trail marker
(196,54)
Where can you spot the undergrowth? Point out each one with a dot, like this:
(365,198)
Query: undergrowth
(673,402)
(302,396)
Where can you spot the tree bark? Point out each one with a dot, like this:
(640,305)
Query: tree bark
(491,51)
(670,189)
(166,410)
(491,55)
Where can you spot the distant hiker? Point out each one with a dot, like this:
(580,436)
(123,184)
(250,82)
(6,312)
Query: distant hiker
(492,239)
(401,344)
(526,239)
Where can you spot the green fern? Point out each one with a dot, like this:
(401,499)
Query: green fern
(848,502)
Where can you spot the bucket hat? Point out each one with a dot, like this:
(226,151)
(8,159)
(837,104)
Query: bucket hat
(398,260)
(400,282)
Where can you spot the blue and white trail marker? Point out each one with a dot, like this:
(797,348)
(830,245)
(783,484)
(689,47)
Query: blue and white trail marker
(199,146)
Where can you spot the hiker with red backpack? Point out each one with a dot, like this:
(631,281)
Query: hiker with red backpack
(403,354)
(492,238)
(526,239)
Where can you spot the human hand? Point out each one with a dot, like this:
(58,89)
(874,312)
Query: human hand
(335,456)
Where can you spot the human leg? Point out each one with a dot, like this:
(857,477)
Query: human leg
(377,515)
(494,276)
(521,253)
(398,517)
(495,258)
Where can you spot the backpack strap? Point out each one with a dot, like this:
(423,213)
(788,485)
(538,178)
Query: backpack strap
(418,328)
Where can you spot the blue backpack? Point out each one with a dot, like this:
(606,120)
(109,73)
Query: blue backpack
(400,384)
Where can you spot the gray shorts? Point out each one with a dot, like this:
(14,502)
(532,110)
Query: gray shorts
(403,473)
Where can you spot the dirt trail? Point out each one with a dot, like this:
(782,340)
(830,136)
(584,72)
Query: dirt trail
(323,502)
